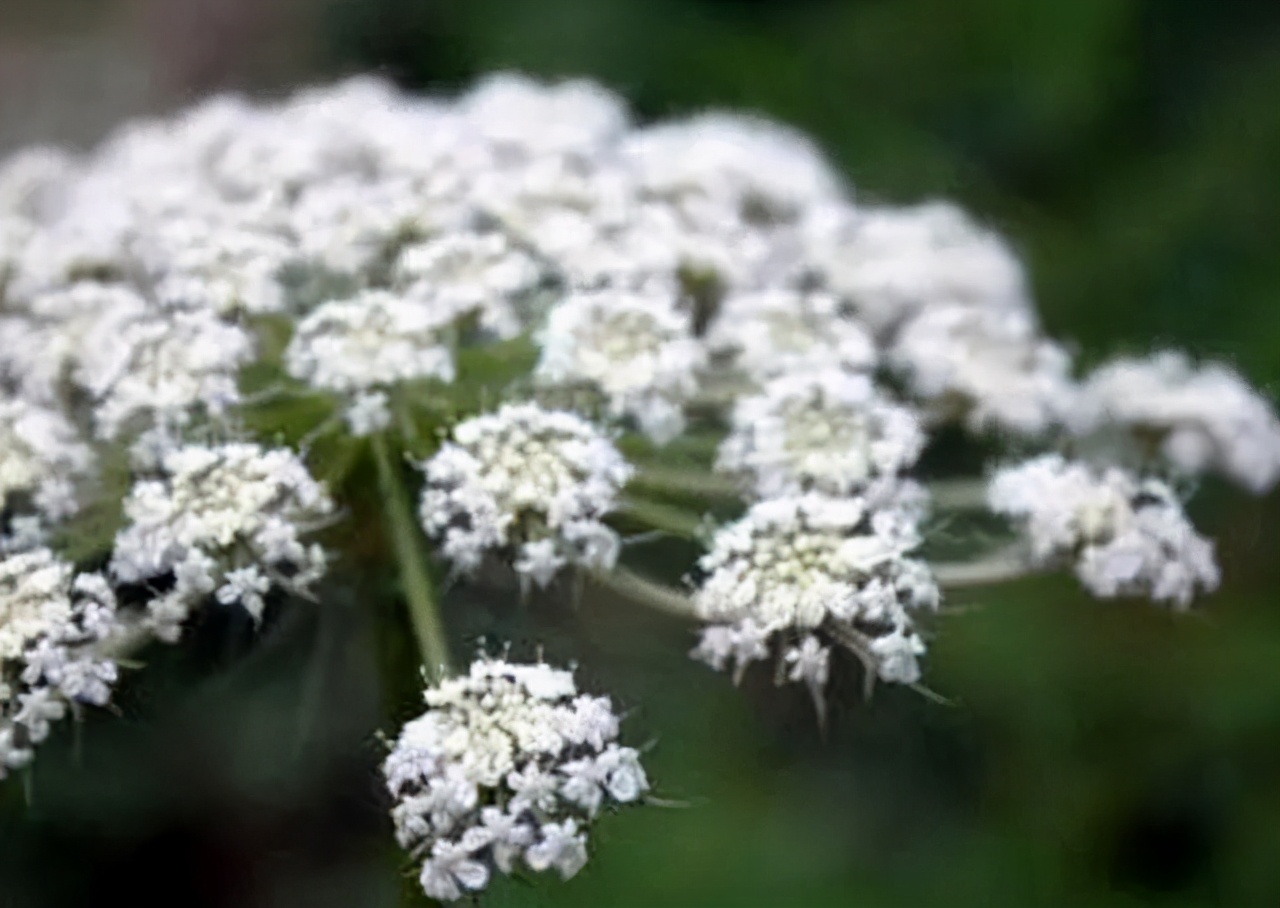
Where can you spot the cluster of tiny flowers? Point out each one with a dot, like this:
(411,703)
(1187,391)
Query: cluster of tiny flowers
(1203,419)
(1125,536)
(797,574)
(634,346)
(53,624)
(766,333)
(527,481)
(828,431)
(508,767)
(989,367)
(41,456)
(221,521)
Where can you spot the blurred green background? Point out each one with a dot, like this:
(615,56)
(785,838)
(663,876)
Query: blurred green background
(1094,753)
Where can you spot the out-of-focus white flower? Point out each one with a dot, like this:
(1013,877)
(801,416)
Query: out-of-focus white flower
(518,479)
(826,431)
(481,274)
(895,263)
(509,764)
(1205,418)
(989,367)
(51,623)
(524,118)
(163,366)
(809,567)
(749,167)
(228,518)
(375,339)
(368,413)
(40,453)
(1125,536)
(772,332)
(635,347)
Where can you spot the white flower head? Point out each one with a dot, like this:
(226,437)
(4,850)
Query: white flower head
(163,365)
(509,765)
(1125,536)
(375,339)
(828,431)
(810,567)
(893,264)
(41,454)
(463,273)
(635,347)
(770,332)
(525,119)
(228,518)
(1205,418)
(519,478)
(51,623)
(988,366)
(749,167)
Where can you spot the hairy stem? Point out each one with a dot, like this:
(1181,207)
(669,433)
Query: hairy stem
(415,580)
(646,592)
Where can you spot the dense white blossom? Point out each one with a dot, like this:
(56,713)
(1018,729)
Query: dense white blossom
(826,430)
(40,454)
(222,521)
(1125,536)
(635,347)
(509,766)
(988,366)
(529,481)
(811,567)
(374,339)
(52,625)
(772,332)
(1205,418)
(895,263)
(462,274)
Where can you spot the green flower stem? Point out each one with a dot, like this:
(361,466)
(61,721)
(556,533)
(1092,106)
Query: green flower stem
(1003,566)
(646,592)
(415,580)
(678,481)
(959,494)
(664,517)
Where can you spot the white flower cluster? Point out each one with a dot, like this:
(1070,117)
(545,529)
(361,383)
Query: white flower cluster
(526,480)
(634,346)
(128,354)
(223,521)
(894,264)
(508,767)
(772,332)
(53,622)
(987,367)
(827,431)
(799,573)
(40,455)
(1204,419)
(1126,537)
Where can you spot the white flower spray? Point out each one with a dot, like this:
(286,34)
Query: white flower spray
(354,280)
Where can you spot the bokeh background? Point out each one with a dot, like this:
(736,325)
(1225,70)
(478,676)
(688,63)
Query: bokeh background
(1092,754)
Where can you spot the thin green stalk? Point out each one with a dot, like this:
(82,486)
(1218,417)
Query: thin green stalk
(681,481)
(1001,567)
(415,580)
(646,592)
(665,517)
(959,494)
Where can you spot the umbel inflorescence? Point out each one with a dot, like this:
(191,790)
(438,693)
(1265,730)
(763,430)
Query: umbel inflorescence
(554,333)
